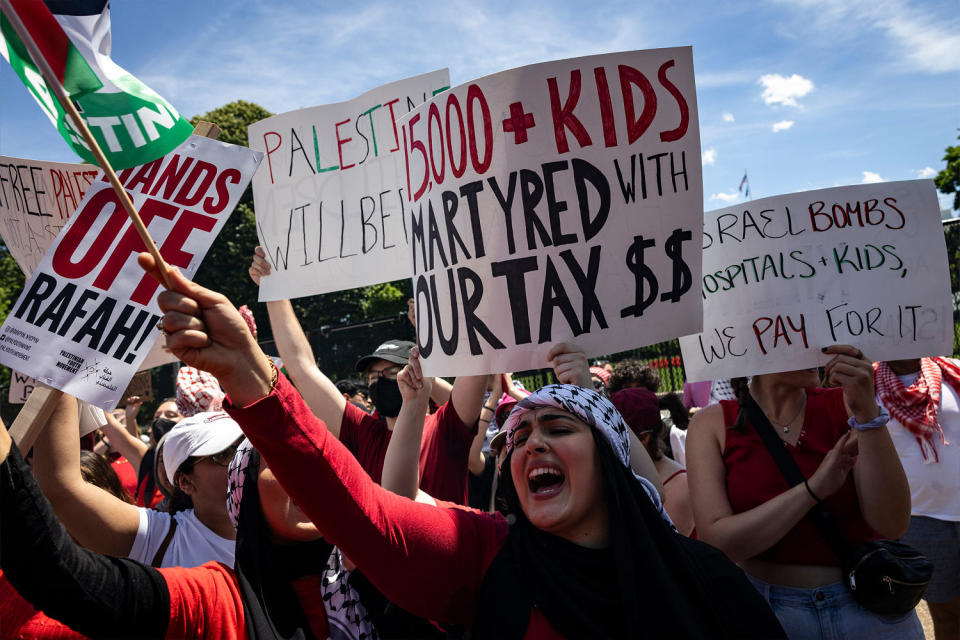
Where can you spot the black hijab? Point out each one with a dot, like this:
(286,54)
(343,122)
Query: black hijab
(649,582)
(265,568)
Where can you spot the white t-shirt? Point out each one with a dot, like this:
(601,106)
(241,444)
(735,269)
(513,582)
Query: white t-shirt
(678,444)
(192,545)
(934,486)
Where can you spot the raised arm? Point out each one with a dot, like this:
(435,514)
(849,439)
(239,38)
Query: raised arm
(882,487)
(130,447)
(318,391)
(96,595)
(477,461)
(427,560)
(401,464)
(96,519)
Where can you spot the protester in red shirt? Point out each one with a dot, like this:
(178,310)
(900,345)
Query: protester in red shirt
(589,555)
(743,504)
(447,433)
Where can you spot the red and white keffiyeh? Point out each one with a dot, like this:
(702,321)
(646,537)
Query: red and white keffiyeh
(198,391)
(916,406)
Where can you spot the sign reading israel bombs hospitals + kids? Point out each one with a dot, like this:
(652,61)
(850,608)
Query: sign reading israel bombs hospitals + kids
(785,276)
(557,201)
(329,196)
(87,316)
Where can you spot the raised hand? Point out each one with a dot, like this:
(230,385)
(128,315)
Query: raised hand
(259,267)
(206,331)
(413,386)
(853,372)
(570,365)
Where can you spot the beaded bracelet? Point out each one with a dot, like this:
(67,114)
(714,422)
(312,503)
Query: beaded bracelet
(881,420)
(274,374)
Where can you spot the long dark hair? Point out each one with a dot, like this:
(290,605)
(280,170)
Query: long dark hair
(96,470)
(649,581)
(741,389)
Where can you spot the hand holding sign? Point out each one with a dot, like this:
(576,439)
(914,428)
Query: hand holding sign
(206,331)
(853,371)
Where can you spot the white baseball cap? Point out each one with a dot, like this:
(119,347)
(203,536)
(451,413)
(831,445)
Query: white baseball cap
(201,434)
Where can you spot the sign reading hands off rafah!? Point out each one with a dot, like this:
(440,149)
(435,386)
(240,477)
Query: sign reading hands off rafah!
(553,202)
(87,316)
(329,196)
(785,276)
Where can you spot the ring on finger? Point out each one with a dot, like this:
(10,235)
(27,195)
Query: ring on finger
(160,326)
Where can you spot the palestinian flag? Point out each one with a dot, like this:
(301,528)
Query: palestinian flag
(132,124)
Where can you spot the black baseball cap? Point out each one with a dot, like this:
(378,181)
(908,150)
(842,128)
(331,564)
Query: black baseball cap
(395,351)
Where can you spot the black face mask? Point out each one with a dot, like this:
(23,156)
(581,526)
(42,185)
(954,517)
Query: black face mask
(160,427)
(386,398)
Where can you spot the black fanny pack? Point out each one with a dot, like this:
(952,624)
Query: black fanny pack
(886,577)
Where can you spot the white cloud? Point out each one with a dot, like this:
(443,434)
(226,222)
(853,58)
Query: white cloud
(783,125)
(725,197)
(926,172)
(709,156)
(728,117)
(778,89)
(869,177)
(920,38)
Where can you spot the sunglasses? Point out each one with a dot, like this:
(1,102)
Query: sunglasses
(222,458)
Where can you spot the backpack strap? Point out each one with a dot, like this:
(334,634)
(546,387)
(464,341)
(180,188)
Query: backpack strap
(162,549)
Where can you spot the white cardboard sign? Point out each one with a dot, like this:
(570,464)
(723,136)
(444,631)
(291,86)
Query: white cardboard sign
(551,202)
(86,318)
(783,277)
(20,387)
(36,199)
(329,196)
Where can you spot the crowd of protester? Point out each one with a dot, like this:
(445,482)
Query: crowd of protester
(269,504)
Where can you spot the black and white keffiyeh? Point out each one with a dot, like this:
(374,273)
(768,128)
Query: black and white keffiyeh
(594,409)
(266,569)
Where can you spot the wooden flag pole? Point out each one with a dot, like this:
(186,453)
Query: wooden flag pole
(68,106)
(39,406)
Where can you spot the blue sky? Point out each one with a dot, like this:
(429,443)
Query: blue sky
(803,94)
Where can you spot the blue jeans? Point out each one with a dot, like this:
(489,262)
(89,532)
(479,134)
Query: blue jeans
(831,613)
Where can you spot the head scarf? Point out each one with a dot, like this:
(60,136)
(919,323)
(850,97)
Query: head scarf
(601,373)
(247,316)
(197,391)
(916,406)
(649,581)
(265,570)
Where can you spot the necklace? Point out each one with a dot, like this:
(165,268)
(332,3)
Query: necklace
(785,426)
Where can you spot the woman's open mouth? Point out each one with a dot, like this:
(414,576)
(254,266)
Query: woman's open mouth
(545,481)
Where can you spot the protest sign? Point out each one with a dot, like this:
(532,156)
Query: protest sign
(20,387)
(785,276)
(36,199)
(329,196)
(141,386)
(557,201)
(87,317)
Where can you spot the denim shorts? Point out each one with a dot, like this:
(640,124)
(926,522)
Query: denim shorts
(831,613)
(939,540)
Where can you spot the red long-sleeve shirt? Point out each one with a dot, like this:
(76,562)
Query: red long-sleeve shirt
(428,560)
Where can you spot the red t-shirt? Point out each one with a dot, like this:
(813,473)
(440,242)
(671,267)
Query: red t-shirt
(444,449)
(428,560)
(126,474)
(19,620)
(205,602)
(754,478)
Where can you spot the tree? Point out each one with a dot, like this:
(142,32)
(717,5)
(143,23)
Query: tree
(948,180)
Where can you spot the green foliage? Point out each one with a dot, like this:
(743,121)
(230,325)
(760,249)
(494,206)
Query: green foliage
(11,284)
(233,120)
(948,180)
